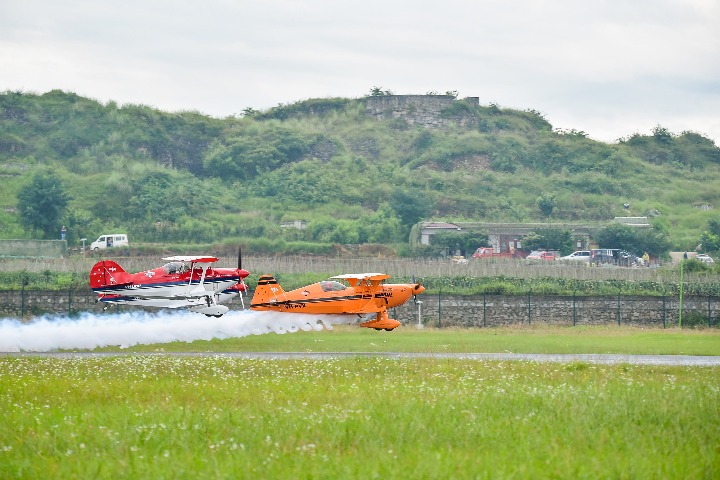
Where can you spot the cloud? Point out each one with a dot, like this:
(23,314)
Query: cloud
(608,67)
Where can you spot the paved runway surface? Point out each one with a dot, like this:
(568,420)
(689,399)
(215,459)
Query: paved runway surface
(672,360)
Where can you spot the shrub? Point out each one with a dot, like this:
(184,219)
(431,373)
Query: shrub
(694,319)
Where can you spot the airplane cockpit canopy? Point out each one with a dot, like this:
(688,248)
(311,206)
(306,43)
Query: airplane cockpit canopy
(175,267)
(332,286)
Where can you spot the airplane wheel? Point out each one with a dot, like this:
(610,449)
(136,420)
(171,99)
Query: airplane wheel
(378,329)
(389,329)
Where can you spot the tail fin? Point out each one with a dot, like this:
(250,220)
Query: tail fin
(268,291)
(107,272)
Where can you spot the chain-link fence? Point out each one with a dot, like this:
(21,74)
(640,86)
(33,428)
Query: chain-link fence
(441,310)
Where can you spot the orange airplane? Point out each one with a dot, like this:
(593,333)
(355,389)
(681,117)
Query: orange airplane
(363,295)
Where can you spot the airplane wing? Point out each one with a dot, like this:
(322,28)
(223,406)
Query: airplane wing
(190,258)
(363,276)
(150,295)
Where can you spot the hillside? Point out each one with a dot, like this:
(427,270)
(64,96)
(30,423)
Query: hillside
(356,170)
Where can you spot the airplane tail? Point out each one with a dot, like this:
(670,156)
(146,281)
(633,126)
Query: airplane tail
(108,273)
(267,292)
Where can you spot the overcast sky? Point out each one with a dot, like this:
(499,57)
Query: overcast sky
(610,68)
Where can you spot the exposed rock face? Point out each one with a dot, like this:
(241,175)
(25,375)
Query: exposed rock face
(424,110)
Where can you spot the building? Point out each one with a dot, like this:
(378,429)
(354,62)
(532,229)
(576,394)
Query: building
(507,237)
(428,229)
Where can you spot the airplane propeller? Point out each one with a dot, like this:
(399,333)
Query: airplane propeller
(418,303)
(415,287)
(242,281)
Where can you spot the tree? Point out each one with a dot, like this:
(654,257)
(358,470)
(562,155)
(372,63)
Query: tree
(249,155)
(550,239)
(379,92)
(652,241)
(617,235)
(533,241)
(42,204)
(466,242)
(382,226)
(411,207)
(710,239)
(634,240)
(546,203)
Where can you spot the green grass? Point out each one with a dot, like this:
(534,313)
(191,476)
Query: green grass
(185,417)
(535,339)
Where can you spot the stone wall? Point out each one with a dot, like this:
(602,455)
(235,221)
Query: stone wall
(503,310)
(442,310)
(30,303)
(424,110)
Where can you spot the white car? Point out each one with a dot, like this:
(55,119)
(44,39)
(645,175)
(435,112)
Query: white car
(704,258)
(578,256)
(459,260)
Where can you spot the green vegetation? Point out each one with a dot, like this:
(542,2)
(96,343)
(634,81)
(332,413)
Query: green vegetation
(508,277)
(42,204)
(461,285)
(187,178)
(517,339)
(186,417)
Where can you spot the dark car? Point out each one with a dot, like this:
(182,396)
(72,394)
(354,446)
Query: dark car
(604,256)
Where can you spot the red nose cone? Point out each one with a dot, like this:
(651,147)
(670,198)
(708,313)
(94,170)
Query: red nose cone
(242,273)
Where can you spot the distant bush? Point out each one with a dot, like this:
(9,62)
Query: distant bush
(696,266)
(696,320)
(312,107)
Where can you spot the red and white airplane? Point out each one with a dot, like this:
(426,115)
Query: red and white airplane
(186,281)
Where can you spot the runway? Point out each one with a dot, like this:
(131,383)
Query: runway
(602,359)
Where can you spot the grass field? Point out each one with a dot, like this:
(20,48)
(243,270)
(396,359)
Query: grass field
(140,416)
(521,339)
(157,416)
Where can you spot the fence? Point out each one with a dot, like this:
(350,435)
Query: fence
(493,310)
(487,310)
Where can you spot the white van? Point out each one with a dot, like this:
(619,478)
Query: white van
(110,240)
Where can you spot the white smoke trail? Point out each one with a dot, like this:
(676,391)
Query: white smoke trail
(91,330)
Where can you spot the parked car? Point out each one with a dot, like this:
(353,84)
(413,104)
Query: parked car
(483,252)
(604,255)
(489,252)
(541,255)
(705,258)
(627,259)
(577,256)
(459,260)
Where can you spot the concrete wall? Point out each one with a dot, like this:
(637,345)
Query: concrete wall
(442,310)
